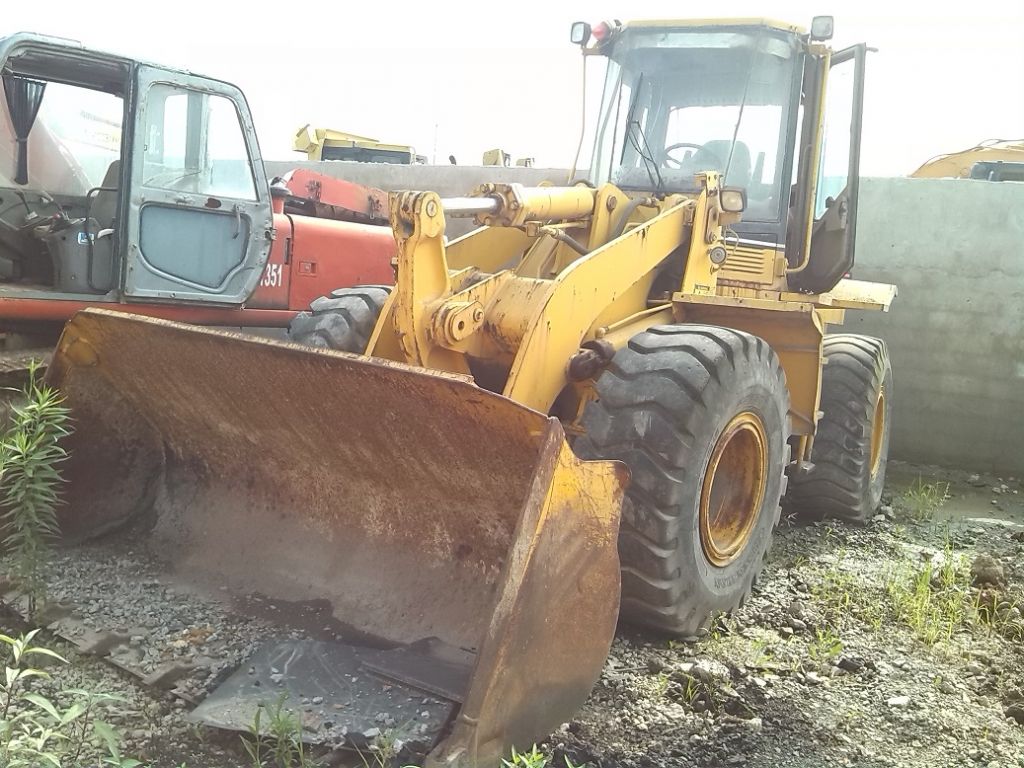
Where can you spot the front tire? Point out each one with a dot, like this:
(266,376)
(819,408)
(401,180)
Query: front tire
(699,415)
(851,447)
(344,320)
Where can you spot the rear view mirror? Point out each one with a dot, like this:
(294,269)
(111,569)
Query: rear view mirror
(580,33)
(822,27)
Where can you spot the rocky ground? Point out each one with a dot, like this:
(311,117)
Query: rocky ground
(896,644)
(899,644)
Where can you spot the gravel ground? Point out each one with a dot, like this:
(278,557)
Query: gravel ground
(871,646)
(897,644)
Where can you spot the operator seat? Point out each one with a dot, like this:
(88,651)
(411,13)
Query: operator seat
(104,205)
(83,262)
(103,216)
(714,155)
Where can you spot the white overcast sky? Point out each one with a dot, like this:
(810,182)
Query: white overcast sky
(476,76)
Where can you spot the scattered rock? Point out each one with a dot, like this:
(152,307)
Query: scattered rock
(655,665)
(797,624)
(1015,712)
(975,669)
(167,675)
(987,571)
(898,702)
(101,643)
(850,663)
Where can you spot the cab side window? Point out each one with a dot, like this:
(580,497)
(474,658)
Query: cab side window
(194,143)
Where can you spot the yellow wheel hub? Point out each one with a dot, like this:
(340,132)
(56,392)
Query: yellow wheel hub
(733,488)
(878,432)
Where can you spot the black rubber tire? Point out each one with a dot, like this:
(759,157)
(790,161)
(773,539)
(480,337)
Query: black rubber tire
(841,483)
(343,321)
(662,405)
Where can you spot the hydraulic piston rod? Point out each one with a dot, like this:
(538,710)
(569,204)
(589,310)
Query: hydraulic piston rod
(512,205)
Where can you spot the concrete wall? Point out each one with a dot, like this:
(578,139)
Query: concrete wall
(956,330)
(956,250)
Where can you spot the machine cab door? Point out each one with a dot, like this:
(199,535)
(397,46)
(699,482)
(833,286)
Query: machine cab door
(834,208)
(199,221)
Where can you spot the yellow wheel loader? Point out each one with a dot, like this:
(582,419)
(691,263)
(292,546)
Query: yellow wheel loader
(604,389)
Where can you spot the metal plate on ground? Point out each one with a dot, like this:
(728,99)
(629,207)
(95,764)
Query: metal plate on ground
(332,689)
(429,665)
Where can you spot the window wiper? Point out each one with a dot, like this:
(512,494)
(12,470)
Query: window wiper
(743,103)
(644,150)
(641,147)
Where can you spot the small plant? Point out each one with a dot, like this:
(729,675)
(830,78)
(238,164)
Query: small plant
(38,731)
(698,692)
(30,480)
(383,752)
(692,691)
(934,601)
(532,759)
(1000,613)
(276,740)
(921,500)
(835,591)
(825,646)
(661,683)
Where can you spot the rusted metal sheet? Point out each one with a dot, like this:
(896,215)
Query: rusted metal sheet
(415,503)
(349,699)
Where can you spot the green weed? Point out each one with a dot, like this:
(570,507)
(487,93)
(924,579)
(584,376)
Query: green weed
(921,500)
(30,480)
(825,646)
(67,730)
(532,759)
(933,601)
(274,739)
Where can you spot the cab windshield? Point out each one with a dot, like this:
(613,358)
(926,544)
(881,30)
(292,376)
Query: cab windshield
(678,102)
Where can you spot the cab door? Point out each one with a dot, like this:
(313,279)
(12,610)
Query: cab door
(199,221)
(833,209)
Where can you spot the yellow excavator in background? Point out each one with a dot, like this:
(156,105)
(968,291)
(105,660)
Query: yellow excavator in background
(993,160)
(607,388)
(329,144)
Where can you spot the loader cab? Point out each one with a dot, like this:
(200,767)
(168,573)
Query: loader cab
(747,99)
(122,181)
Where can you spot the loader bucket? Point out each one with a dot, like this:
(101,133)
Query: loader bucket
(452,526)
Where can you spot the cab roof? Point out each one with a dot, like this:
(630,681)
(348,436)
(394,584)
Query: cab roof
(747,23)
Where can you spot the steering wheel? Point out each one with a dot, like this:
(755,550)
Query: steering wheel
(675,164)
(31,202)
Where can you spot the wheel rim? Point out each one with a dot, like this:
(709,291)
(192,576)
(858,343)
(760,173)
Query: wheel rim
(733,488)
(878,432)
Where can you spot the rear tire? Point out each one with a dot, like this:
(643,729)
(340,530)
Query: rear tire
(699,415)
(343,321)
(851,447)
